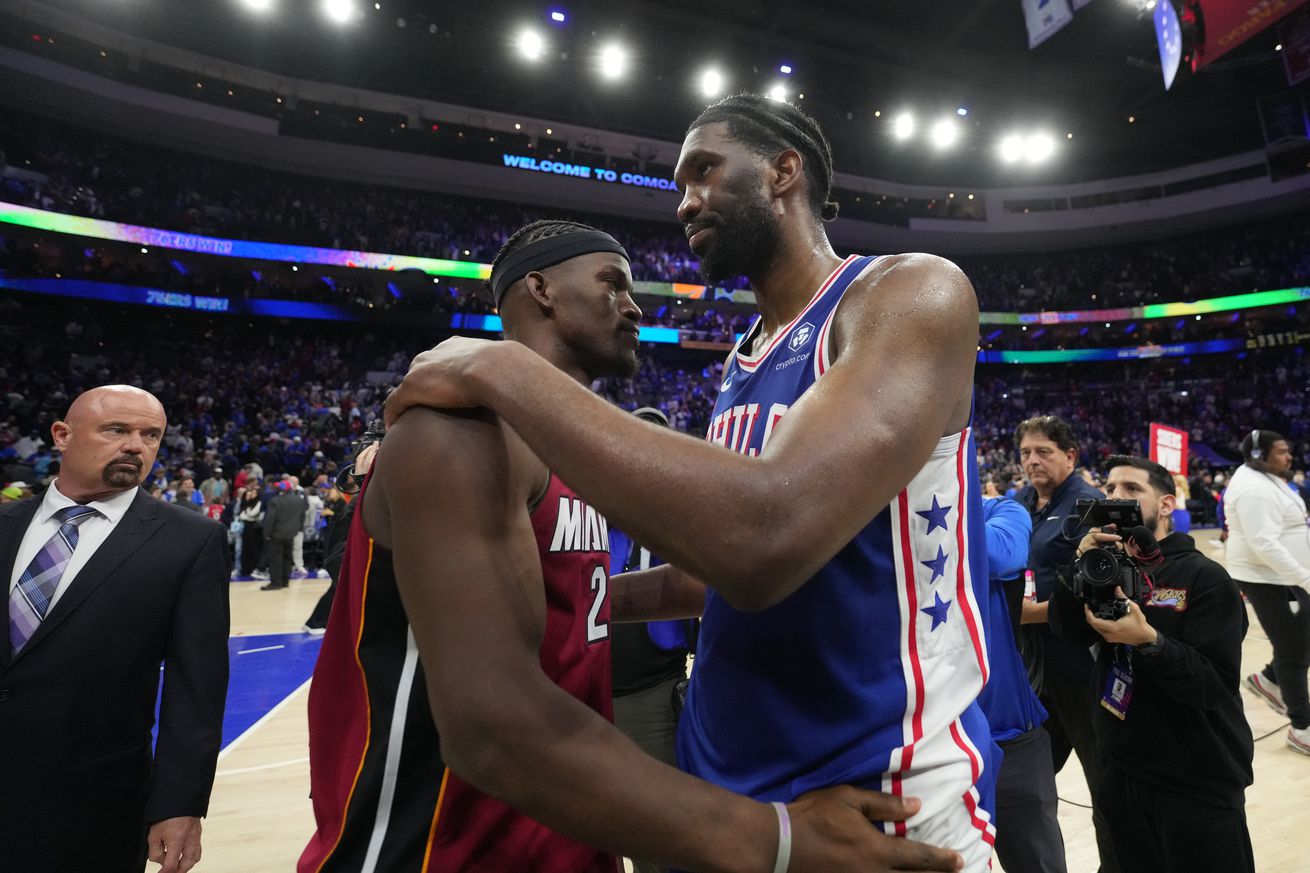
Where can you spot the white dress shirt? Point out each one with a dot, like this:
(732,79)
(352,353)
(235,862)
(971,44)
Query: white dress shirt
(91,534)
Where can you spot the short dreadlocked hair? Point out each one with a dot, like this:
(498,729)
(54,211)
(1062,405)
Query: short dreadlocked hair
(528,234)
(767,127)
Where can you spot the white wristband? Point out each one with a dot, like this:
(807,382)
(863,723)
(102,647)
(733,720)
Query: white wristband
(784,838)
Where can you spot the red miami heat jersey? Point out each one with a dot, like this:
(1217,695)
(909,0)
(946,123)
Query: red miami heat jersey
(384,801)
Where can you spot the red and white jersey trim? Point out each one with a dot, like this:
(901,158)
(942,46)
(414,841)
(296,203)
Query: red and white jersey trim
(823,356)
(944,663)
(750,362)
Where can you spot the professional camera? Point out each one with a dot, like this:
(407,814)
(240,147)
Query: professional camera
(347,482)
(1098,572)
(1102,569)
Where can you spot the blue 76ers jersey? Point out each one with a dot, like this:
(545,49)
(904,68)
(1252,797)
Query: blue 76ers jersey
(869,673)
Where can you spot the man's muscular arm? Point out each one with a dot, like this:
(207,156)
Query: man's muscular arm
(755,528)
(449,493)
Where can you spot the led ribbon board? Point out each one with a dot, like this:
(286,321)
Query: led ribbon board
(1232,302)
(94,228)
(587,171)
(113,293)
(1131,353)
(131,294)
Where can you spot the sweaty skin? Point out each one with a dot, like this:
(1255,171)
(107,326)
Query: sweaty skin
(755,528)
(470,577)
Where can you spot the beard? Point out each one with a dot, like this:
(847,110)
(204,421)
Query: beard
(120,477)
(614,362)
(628,364)
(744,244)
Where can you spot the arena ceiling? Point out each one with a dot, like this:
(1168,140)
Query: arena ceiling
(850,59)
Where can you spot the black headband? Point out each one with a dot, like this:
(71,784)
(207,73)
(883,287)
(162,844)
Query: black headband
(548,252)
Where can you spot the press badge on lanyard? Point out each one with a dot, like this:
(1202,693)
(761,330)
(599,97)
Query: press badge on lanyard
(1119,686)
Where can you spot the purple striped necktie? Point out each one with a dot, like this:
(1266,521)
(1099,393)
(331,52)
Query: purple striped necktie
(30,600)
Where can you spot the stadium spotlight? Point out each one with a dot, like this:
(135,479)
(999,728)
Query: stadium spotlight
(1038,147)
(260,6)
(944,133)
(711,83)
(1011,148)
(340,11)
(903,126)
(531,45)
(558,16)
(612,61)
(778,92)
(785,69)
(962,112)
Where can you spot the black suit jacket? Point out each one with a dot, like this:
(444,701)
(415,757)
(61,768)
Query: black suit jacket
(78,783)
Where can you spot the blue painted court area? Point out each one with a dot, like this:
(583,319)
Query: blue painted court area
(264,670)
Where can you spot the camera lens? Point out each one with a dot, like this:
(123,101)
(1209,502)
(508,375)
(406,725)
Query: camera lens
(1098,566)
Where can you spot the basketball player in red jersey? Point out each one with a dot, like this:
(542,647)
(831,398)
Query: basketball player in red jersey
(500,570)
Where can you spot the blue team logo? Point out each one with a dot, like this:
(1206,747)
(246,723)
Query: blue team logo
(800,336)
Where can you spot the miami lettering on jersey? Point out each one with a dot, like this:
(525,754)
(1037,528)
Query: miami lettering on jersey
(579,528)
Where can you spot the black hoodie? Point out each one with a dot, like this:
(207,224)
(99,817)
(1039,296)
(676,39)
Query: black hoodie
(1185,729)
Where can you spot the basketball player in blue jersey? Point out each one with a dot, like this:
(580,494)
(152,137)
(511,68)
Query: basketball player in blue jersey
(834,510)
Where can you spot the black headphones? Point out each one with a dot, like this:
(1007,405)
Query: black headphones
(1256,453)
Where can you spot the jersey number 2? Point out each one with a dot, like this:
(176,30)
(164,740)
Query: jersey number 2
(598,630)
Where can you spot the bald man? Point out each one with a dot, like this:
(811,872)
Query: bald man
(104,585)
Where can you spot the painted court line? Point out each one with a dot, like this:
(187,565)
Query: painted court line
(259,767)
(263,718)
(261,649)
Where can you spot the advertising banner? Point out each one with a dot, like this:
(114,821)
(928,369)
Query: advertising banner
(1169,447)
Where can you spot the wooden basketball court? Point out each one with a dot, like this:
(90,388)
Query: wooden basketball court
(260,815)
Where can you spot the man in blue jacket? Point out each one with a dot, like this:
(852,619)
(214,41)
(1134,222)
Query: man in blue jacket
(1061,671)
(1028,838)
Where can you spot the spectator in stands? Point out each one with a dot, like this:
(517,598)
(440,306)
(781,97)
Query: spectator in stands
(188,497)
(24,487)
(215,489)
(1301,486)
(284,519)
(92,174)
(29,445)
(249,525)
(1203,502)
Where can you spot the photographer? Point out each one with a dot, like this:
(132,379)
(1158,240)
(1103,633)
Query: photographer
(1174,745)
(334,542)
